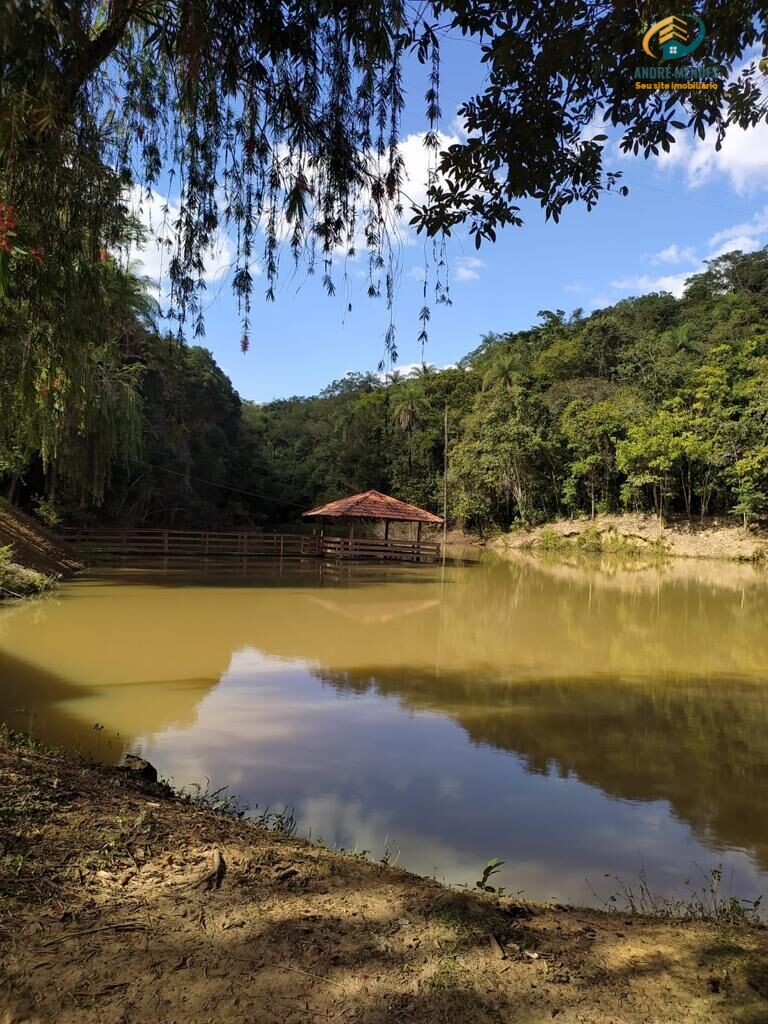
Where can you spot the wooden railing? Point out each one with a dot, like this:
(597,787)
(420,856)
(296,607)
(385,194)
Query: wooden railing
(374,547)
(244,544)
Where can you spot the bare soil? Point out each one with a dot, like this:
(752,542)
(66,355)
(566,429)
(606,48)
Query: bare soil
(682,538)
(120,903)
(33,545)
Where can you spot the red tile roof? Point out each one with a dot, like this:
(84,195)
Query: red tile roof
(374,505)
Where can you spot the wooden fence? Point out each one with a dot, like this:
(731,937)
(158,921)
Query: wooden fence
(244,544)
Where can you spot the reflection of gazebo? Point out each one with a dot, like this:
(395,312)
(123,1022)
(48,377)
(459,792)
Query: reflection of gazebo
(373,505)
(373,613)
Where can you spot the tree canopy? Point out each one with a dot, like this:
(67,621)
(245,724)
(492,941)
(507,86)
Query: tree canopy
(280,121)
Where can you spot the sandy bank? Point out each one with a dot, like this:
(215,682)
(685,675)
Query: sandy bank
(710,538)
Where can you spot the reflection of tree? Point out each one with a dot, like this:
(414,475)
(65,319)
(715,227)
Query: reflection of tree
(30,702)
(529,623)
(699,745)
(98,721)
(650,685)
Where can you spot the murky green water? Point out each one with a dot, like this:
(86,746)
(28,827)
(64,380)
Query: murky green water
(571,721)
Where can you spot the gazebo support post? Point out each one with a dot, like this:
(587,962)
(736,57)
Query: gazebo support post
(386,529)
(418,542)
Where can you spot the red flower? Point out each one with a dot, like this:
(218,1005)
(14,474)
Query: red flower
(8,220)
(8,224)
(38,255)
(103,255)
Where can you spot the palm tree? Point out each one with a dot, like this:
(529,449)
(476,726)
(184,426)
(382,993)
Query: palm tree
(370,382)
(504,370)
(409,411)
(425,370)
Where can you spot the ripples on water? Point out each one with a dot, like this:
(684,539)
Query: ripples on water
(571,720)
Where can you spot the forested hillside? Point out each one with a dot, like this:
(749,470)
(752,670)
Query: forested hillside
(654,404)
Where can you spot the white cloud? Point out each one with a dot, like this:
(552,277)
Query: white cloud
(747,237)
(459,127)
(643,283)
(740,243)
(419,162)
(577,288)
(467,268)
(743,159)
(158,216)
(674,254)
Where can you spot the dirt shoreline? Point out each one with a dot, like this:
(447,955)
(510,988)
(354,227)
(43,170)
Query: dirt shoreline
(120,903)
(711,538)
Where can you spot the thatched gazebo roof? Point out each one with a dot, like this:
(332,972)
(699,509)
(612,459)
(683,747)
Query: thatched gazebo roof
(373,505)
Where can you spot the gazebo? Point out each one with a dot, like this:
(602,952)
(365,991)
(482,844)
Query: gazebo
(383,508)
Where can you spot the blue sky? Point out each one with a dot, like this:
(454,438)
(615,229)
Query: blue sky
(688,207)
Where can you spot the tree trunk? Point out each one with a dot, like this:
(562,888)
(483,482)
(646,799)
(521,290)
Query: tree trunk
(51,481)
(687,496)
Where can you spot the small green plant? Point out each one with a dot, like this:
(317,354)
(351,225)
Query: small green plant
(491,868)
(549,540)
(45,510)
(590,540)
(705,903)
(355,854)
(218,800)
(389,857)
(283,822)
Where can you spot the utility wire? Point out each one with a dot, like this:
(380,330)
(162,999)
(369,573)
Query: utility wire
(225,487)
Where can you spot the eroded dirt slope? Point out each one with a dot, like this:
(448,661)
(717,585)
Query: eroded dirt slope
(33,545)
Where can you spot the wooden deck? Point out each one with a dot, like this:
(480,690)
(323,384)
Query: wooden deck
(247,544)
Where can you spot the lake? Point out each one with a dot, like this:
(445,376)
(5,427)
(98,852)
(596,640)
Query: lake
(575,721)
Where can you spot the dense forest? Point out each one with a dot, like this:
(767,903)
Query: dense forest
(278,127)
(655,403)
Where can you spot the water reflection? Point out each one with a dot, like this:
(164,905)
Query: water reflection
(572,721)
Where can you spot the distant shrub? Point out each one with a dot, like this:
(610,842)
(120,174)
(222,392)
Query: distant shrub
(591,540)
(550,540)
